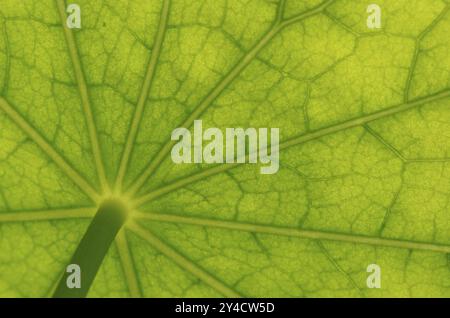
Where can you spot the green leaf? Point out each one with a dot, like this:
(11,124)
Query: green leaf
(86,116)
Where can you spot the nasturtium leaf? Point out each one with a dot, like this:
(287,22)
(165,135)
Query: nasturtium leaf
(86,116)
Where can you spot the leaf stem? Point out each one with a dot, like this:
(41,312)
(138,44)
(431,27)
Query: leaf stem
(93,247)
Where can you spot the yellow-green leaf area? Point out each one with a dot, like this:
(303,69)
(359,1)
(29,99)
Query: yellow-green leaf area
(86,116)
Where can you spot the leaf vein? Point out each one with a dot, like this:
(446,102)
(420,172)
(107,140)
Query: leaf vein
(339,268)
(145,91)
(416,53)
(219,88)
(127,263)
(295,232)
(182,261)
(84,94)
(44,215)
(34,135)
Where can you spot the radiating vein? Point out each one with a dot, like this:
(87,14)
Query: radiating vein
(84,94)
(182,261)
(416,53)
(53,214)
(295,232)
(8,57)
(219,88)
(386,144)
(152,65)
(34,135)
(294,142)
(280,12)
(304,15)
(93,247)
(54,284)
(127,264)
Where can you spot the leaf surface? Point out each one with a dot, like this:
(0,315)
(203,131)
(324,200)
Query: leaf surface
(364,164)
